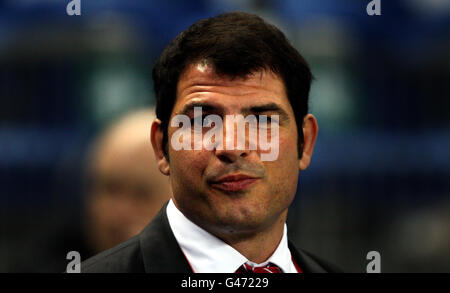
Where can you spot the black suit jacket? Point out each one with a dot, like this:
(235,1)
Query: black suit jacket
(155,250)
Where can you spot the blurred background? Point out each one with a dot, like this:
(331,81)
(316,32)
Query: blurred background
(380,176)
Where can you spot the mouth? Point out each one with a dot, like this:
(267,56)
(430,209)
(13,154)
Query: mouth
(237,182)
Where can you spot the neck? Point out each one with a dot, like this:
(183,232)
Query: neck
(257,246)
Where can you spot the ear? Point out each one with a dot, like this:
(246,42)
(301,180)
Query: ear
(156,137)
(310,130)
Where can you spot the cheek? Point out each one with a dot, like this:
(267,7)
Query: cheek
(284,170)
(187,167)
(288,150)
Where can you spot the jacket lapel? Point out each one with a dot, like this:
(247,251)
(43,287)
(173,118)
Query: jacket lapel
(306,263)
(160,250)
(310,263)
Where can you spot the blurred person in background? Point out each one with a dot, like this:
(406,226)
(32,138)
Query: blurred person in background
(125,187)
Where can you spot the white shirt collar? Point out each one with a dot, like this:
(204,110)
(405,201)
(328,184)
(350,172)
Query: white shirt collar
(208,254)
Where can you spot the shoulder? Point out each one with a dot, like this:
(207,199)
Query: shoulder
(123,258)
(311,263)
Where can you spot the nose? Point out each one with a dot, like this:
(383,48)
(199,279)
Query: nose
(230,151)
(230,156)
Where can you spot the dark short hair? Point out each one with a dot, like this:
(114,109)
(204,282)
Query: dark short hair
(235,44)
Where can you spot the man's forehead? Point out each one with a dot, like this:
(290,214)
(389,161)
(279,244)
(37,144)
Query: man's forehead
(201,77)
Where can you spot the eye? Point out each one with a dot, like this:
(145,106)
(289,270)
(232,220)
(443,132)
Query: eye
(208,121)
(204,121)
(266,121)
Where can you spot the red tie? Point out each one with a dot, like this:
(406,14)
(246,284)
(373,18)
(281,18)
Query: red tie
(270,268)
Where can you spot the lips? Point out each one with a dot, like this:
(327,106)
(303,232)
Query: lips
(236,182)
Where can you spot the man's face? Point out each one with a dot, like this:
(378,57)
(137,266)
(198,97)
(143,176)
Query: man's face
(241,205)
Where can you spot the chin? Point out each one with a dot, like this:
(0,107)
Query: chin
(243,220)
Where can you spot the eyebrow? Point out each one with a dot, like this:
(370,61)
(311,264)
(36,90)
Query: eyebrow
(256,110)
(189,108)
(270,107)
